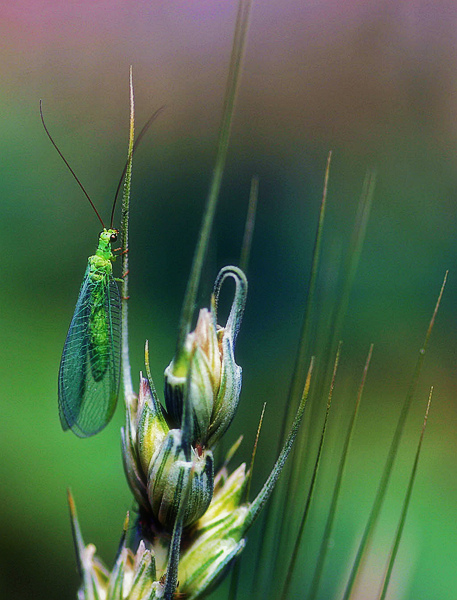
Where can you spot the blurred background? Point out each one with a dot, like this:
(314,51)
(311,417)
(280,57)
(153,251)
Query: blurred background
(376,82)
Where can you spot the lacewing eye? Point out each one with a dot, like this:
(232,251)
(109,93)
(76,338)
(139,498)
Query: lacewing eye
(113,237)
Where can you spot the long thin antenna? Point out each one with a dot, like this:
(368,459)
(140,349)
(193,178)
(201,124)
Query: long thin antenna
(129,159)
(70,169)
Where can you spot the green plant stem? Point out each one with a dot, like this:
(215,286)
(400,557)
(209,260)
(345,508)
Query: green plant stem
(239,43)
(183,489)
(171,580)
(126,370)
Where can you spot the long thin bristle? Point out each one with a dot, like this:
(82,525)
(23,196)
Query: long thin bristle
(404,512)
(337,487)
(293,560)
(272,518)
(249,225)
(382,487)
(130,157)
(254,450)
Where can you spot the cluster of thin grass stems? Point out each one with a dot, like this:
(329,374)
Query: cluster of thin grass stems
(277,570)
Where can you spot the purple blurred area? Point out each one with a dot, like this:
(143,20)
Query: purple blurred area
(360,74)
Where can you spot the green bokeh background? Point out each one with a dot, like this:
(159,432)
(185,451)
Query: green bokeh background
(374,81)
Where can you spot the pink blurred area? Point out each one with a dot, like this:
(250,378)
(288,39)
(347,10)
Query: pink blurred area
(356,73)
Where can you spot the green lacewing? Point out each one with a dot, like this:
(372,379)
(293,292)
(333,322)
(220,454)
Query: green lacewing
(90,365)
(89,373)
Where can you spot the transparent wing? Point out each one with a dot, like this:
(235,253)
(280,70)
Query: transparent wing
(89,372)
